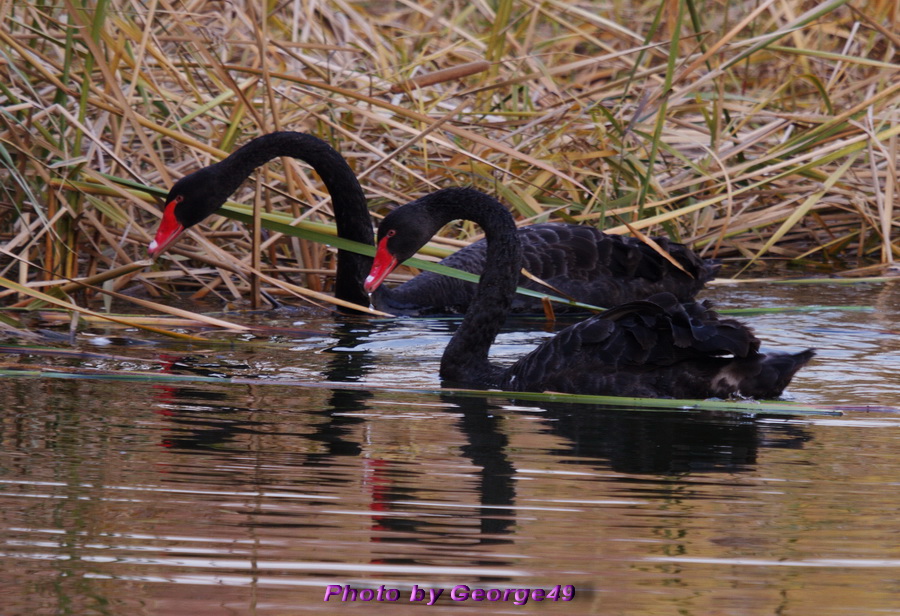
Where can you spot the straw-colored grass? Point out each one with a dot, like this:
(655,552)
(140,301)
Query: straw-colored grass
(763,130)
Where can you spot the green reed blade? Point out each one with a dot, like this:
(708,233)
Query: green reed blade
(741,408)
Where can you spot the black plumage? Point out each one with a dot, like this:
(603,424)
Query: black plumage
(576,261)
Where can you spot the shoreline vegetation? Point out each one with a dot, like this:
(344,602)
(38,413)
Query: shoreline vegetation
(763,134)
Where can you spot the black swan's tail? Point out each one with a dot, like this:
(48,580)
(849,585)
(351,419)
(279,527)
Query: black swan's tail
(765,375)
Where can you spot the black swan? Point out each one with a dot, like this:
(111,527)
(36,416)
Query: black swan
(657,347)
(580,261)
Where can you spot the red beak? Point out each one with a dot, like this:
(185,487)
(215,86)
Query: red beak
(384,264)
(168,232)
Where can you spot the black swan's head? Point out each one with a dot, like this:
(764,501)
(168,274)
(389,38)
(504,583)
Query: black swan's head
(400,235)
(192,198)
(405,230)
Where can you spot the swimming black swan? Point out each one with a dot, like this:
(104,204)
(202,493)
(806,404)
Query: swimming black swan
(580,261)
(656,347)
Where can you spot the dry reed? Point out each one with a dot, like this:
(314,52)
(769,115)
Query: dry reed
(753,131)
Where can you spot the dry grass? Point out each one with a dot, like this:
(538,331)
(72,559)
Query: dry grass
(752,130)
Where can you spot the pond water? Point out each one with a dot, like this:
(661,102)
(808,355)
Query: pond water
(216,497)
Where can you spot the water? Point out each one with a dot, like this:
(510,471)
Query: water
(208,498)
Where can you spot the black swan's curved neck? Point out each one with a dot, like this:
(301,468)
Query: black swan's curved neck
(350,210)
(465,360)
(466,356)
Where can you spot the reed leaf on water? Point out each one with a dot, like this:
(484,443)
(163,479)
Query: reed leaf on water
(626,404)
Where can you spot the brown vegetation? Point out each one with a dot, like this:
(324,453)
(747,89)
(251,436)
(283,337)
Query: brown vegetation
(763,130)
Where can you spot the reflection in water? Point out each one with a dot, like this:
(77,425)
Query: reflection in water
(660,443)
(487,447)
(252,498)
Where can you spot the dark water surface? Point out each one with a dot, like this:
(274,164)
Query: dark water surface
(216,498)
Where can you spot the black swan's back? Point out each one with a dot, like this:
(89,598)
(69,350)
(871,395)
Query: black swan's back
(657,347)
(577,261)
